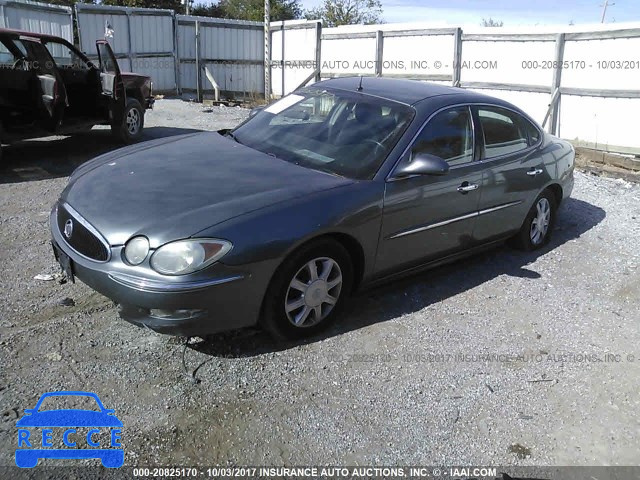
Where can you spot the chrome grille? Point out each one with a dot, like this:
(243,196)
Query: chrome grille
(82,240)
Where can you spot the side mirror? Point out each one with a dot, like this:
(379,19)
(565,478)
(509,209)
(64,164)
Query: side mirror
(255,111)
(423,164)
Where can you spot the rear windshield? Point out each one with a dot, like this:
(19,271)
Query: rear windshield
(343,133)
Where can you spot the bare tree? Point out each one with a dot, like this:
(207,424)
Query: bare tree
(490,22)
(347,12)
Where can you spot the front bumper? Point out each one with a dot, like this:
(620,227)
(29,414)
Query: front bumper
(218,298)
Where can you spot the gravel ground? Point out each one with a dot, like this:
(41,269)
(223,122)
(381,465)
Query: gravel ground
(417,372)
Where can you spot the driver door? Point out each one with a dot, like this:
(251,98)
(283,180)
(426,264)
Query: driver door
(112,85)
(427,217)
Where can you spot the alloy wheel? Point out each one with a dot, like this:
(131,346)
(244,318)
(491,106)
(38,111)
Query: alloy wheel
(313,292)
(133,121)
(540,223)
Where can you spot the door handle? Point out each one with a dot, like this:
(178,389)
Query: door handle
(467,187)
(534,171)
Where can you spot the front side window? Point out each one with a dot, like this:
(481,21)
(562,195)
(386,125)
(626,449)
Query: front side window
(448,135)
(64,56)
(504,131)
(339,132)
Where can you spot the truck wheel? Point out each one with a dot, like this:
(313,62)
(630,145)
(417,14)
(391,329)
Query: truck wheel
(128,129)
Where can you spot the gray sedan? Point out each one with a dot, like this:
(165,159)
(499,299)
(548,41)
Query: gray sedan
(339,186)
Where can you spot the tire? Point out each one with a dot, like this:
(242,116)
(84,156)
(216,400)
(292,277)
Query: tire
(128,128)
(292,284)
(531,237)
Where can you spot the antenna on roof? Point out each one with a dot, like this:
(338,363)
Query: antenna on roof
(360,86)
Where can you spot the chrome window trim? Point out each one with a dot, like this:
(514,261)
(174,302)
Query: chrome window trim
(390,176)
(453,220)
(76,216)
(158,286)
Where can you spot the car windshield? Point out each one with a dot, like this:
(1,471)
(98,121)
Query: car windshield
(69,402)
(342,133)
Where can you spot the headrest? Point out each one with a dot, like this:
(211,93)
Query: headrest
(367,112)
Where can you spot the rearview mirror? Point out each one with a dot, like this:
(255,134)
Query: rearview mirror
(423,164)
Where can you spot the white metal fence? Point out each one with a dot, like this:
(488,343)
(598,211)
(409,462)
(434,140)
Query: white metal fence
(584,85)
(225,53)
(143,39)
(37,17)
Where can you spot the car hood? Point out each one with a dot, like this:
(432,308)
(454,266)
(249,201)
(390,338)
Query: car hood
(175,187)
(69,418)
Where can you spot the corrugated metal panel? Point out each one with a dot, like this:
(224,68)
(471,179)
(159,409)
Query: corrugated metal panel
(232,50)
(37,17)
(297,47)
(143,39)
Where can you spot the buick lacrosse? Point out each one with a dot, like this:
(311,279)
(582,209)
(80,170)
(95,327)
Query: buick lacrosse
(334,188)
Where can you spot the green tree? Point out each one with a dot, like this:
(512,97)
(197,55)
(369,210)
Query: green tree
(490,22)
(68,3)
(347,12)
(254,9)
(175,5)
(204,10)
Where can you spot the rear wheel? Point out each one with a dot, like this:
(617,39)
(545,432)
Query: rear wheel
(308,291)
(128,128)
(536,229)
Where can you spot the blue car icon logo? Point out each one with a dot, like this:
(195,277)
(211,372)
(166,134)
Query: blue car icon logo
(59,433)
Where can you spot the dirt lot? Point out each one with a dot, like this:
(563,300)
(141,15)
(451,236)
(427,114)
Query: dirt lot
(496,360)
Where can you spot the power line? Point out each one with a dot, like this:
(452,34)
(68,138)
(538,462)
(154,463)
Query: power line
(604,9)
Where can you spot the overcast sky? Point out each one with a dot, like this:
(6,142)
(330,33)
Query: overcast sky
(511,12)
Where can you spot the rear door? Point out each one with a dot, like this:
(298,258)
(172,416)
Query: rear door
(51,96)
(15,80)
(514,171)
(426,217)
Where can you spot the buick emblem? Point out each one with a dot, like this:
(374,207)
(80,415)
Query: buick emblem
(68,228)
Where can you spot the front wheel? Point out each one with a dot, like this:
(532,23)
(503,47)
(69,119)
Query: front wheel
(308,291)
(128,128)
(536,229)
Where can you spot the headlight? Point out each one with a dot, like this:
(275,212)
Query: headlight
(136,250)
(187,256)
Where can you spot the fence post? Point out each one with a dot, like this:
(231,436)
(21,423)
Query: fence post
(267,51)
(457,57)
(379,52)
(198,66)
(554,125)
(130,46)
(176,54)
(282,73)
(318,51)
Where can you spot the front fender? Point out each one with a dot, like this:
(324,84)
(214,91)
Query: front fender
(274,232)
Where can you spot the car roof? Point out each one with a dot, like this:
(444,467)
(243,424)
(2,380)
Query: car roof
(399,90)
(16,33)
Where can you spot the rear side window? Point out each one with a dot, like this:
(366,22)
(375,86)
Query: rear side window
(448,135)
(504,131)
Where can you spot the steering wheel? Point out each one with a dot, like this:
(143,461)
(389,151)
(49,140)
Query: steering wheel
(17,62)
(375,142)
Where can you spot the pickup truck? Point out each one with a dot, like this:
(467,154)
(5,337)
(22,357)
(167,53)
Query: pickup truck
(48,87)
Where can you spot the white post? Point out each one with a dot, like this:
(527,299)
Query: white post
(267,50)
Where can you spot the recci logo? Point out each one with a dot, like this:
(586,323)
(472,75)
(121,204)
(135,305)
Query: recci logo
(69,433)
